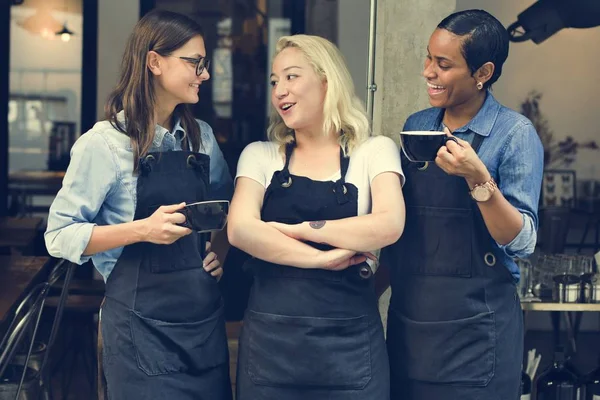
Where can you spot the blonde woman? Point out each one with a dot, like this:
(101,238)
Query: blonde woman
(310,205)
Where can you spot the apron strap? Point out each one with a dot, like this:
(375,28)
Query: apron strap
(339,187)
(439,125)
(289,149)
(477,140)
(344,162)
(101,379)
(283,177)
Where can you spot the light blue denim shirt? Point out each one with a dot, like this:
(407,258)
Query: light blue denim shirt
(513,154)
(99,188)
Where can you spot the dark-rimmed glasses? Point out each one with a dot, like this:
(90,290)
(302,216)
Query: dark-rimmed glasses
(201,63)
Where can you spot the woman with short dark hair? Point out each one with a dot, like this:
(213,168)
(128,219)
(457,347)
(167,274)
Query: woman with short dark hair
(455,328)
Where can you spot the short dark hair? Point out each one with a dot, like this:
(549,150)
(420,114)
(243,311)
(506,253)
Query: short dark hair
(486,39)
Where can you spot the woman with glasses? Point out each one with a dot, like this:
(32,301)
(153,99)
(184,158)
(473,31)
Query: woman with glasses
(162,320)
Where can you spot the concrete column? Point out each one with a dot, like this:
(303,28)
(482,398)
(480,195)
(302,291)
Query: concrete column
(403,30)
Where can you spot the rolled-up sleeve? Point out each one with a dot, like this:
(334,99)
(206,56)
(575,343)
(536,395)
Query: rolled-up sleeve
(91,175)
(523,245)
(520,181)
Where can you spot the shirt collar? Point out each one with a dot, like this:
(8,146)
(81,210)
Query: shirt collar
(159,131)
(482,123)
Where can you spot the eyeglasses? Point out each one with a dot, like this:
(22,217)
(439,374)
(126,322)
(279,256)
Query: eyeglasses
(201,63)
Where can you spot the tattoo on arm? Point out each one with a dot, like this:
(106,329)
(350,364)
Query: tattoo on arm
(317,224)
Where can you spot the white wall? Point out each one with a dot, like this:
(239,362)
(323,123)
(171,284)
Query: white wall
(46,67)
(30,54)
(563,68)
(62,61)
(116,19)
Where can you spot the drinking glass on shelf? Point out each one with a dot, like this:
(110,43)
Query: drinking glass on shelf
(526,269)
(546,268)
(586,265)
(587,279)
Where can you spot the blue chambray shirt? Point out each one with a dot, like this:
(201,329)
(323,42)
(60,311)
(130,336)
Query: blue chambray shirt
(514,156)
(99,188)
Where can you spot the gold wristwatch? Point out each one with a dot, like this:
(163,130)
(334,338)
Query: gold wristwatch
(482,192)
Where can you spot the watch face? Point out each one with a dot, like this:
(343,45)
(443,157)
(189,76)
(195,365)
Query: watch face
(481,193)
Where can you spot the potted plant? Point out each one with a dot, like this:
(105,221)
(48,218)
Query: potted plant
(557,153)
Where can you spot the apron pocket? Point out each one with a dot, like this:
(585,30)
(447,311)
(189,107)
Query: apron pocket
(165,347)
(436,241)
(186,253)
(335,353)
(459,352)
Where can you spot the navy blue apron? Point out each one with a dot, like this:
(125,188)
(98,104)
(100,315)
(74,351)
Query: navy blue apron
(311,333)
(162,321)
(455,328)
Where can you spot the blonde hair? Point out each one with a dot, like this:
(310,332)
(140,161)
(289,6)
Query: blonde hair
(342,109)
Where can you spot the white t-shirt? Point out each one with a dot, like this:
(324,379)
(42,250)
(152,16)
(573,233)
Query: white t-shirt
(378,154)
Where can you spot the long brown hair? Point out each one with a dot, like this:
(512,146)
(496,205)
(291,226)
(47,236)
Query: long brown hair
(163,32)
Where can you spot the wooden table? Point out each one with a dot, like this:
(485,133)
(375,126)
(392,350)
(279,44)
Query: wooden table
(20,223)
(18,233)
(52,179)
(23,185)
(18,274)
(541,306)
(571,313)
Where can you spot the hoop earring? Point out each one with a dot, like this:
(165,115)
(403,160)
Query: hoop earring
(479,85)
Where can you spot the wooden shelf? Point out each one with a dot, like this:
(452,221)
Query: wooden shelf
(541,306)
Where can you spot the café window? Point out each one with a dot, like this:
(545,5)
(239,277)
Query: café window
(45,83)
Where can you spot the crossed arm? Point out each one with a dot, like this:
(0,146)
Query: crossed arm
(283,244)
(382,227)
